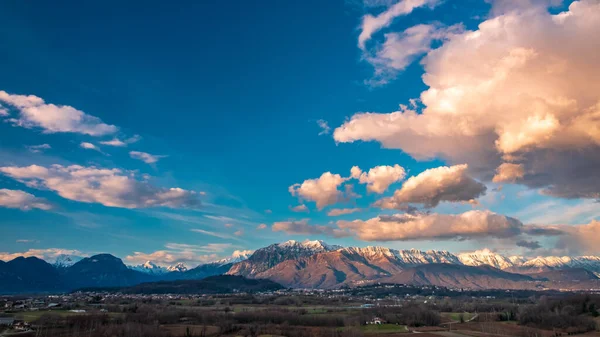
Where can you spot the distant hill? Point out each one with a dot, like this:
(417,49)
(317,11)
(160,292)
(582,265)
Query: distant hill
(30,274)
(220,284)
(103,270)
(460,276)
(567,275)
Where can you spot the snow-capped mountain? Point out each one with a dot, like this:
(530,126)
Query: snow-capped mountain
(235,258)
(487,257)
(315,246)
(149,267)
(546,263)
(405,257)
(267,257)
(65,261)
(179,267)
(152,268)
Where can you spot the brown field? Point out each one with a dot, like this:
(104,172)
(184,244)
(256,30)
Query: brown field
(177,330)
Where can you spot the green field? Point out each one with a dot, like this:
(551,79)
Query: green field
(383,328)
(455,316)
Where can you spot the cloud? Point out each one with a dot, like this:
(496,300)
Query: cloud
(89,146)
(120,143)
(435,185)
(323,190)
(342,211)
(22,200)
(578,239)
(3,111)
(301,227)
(35,113)
(515,91)
(403,227)
(146,157)
(324,127)
(372,24)
(166,258)
(400,50)
(268,211)
(299,208)
(261,226)
(215,234)
(239,233)
(379,178)
(109,187)
(508,173)
(48,255)
(38,148)
(533,245)
(208,248)
(238,253)
(27,241)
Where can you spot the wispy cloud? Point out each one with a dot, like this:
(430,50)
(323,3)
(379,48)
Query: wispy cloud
(146,157)
(38,148)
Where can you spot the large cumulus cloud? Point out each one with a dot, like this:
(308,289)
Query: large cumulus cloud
(519,90)
(432,186)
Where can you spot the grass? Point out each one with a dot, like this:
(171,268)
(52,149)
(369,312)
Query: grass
(383,328)
(455,316)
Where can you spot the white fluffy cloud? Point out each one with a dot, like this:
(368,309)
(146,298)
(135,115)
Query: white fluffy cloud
(22,200)
(48,255)
(109,187)
(323,190)
(261,226)
(34,112)
(469,225)
(517,91)
(435,185)
(372,24)
(379,178)
(146,157)
(88,146)
(508,173)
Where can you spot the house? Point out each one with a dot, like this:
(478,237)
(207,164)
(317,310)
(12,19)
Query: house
(21,326)
(376,320)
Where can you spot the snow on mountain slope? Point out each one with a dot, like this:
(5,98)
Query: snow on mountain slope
(180,267)
(149,267)
(486,257)
(64,260)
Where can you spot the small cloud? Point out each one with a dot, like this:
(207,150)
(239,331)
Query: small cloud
(38,148)
(22,200)
(529,244)
(342,211)
(300,208)
(228,225)
(325,129)
(121,143)
(268,211)
(215,234)
(27,241)
(239,233)
(261,226)
(89,146)
(114,142)
(146,157)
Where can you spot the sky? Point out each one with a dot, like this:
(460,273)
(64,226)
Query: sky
(195,132)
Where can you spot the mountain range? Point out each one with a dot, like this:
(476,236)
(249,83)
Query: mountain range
(315,264)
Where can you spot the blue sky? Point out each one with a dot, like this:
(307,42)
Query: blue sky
(227,97)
